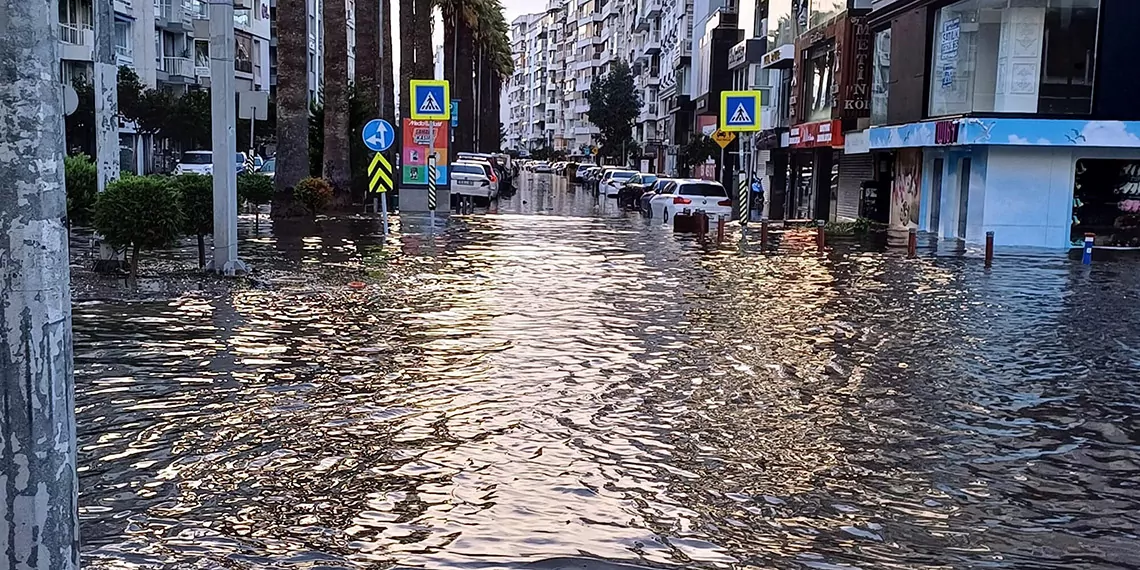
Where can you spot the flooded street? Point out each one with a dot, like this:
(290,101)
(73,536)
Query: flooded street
(559,379)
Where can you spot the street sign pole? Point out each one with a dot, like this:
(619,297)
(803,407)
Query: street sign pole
(431,175)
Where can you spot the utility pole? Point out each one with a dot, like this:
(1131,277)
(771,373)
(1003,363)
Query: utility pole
(39,517)
(223,117)
(106,85)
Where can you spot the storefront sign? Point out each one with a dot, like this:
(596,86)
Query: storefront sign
(781,55)
(857,79)
(946,132)
(809,135)
(856,142)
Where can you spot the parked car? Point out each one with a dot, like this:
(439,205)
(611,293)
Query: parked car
(470,179)
(489,171)
(692,195)
(651,191)
(632,190)
(581,172)
(613,180)
(268,168)
(195,162)
(542,167)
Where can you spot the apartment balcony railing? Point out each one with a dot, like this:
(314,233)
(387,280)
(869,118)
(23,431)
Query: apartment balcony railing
(76,34)
(180,66)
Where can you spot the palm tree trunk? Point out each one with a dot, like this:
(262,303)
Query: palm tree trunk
(368,52)
(425,62)
(336,151)
(465,75)
(388,65)
(407,52)
(292,103)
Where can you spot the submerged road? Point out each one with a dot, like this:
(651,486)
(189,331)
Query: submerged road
(559,381)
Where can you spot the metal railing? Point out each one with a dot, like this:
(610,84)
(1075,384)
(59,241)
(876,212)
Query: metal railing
(73,33)
(181,66)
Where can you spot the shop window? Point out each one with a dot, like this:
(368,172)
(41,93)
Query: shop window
(819,78)
(880,76)
(1013,56)
(1106,202)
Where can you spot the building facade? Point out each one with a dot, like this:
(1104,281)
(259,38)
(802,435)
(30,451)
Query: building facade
(1016,119)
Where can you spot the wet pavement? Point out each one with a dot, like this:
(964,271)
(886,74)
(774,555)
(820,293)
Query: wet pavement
(558,381)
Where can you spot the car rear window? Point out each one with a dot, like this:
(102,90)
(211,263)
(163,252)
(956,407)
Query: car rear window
(626,175)
(699,189)
(468,169)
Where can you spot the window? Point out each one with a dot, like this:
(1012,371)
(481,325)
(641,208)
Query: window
(820,11)
(123,38)
(1014,56)
(707,189)
(1105,203)
(880,76)
(819,77)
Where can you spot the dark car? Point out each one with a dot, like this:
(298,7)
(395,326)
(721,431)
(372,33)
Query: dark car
(629,194)
(653,190)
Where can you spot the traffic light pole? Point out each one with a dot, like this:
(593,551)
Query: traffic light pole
(39,517)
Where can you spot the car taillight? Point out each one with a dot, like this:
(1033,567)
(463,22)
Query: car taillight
(724,203)
(494,178)
(680,200)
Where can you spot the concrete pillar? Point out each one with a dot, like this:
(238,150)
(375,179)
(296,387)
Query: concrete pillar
(106,93)
(39,519)
(223,116)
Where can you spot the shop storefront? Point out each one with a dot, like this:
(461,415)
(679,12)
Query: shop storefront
(1033,182)
(813,179)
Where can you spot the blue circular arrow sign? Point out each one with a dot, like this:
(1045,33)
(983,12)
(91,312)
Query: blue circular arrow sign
(378,135)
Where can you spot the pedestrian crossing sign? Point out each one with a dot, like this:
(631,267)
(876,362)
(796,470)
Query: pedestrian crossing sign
(431,100)
(740,111)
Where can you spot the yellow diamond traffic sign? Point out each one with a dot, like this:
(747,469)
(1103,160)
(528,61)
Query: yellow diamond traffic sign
(723,138)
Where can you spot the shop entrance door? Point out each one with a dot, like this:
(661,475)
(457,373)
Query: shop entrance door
(963,198)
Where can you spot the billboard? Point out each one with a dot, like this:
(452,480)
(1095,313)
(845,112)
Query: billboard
(417,142)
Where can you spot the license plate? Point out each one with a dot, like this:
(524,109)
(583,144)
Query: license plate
(465,183)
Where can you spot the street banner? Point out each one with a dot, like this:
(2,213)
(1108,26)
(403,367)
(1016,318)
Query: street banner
(417,136)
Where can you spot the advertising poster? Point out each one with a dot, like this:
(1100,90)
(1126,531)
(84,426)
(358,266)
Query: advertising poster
(906,188)
(417,142)
(948,50)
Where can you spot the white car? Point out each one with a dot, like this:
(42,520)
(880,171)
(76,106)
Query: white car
(470,179)
(692,195)
(613,180)
(268,168)
(488,170)
(195,162)
(542,167)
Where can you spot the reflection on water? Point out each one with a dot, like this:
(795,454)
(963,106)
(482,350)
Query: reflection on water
(533,386)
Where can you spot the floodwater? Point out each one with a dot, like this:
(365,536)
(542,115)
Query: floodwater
(561,380)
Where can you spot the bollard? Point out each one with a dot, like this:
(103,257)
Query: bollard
(764,234)
(1086,258)
(819,240)
(720,228)
(699,221)
(912,243)
(989,249)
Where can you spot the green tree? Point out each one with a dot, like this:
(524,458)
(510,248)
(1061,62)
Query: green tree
(82,179)
(698,150)
(614,104)
(196,198)
(256,189)
(137,213)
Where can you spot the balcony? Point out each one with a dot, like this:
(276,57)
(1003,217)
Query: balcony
(77,42)
(243,66)
(124,55)
(124,7)
(174,15)
(176,70)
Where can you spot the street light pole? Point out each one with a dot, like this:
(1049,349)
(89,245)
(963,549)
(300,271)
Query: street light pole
(223,115)
(39,518)
(106,86)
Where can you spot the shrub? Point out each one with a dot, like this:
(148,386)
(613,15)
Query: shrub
(257,189)
(313,193)
(82,179)
(139,213)
(196,198)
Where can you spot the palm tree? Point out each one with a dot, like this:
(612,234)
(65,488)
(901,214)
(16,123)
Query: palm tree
(388,65)
(336,150)
(493,66)
(416,58)
(368,52)
(460,18)
(292,103)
